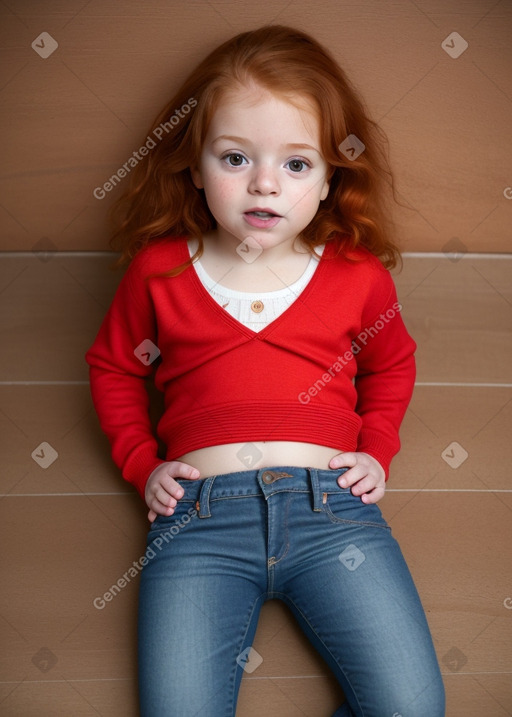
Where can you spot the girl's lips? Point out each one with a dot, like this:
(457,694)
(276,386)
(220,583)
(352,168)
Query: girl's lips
(259,222)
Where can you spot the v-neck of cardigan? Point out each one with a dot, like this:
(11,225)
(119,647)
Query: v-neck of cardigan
(284,316)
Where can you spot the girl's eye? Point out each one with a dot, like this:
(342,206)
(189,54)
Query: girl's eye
(234,159)
(298,165)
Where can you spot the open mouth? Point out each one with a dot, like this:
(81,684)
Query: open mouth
(262,219)
(262,215)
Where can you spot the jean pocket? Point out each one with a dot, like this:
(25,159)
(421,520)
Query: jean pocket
(341,506)
(184,512)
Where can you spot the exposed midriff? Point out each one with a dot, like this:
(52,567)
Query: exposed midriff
(214,460)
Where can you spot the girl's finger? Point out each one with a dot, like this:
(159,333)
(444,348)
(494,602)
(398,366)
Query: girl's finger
(352,476)
(178,469)
(343,460)
(365,485)
(374,495)
(165,498)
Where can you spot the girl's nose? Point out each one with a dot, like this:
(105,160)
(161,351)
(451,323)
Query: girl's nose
(264,181)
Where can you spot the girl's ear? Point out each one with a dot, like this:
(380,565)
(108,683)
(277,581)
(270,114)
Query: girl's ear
(325,191)
(327,183)
(196,177)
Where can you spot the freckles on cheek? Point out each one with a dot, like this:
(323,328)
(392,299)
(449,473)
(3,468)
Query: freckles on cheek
(224,189)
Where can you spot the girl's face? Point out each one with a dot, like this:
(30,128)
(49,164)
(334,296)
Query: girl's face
(261,154)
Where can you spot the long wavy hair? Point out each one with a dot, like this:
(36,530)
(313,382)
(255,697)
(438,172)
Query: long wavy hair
(161,199)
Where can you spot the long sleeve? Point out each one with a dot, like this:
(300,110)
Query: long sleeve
(117,377)
(225,384)
(384,380)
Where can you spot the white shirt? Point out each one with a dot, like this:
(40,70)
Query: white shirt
(254,310)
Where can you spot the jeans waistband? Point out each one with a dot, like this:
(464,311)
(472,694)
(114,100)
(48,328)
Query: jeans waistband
(262,482)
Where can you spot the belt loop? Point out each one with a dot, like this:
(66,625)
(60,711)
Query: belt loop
(203,504)
(315,488)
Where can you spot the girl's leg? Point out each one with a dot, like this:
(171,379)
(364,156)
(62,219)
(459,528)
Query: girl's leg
(351,591)
(198,609)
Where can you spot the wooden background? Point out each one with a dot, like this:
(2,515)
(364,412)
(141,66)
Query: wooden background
(69,529)
(70,120)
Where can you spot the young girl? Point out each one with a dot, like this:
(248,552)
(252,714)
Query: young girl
(259,290)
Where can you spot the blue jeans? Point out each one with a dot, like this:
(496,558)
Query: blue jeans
(289,533)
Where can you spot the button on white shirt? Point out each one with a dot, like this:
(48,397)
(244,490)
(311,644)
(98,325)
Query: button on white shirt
(254,310)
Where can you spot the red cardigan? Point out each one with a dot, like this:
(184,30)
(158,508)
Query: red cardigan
(336,368)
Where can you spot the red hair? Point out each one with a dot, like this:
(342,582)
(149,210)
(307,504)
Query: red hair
(161,199)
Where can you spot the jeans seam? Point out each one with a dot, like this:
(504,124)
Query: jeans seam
(287,544)
(244,637)
(231,497)
(335,519)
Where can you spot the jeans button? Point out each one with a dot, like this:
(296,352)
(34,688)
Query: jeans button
(271,476)
(268,477)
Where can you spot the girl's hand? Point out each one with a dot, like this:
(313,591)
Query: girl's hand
(162,491)
(366,476)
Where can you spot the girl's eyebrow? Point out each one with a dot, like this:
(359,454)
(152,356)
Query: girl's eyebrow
(243,140)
